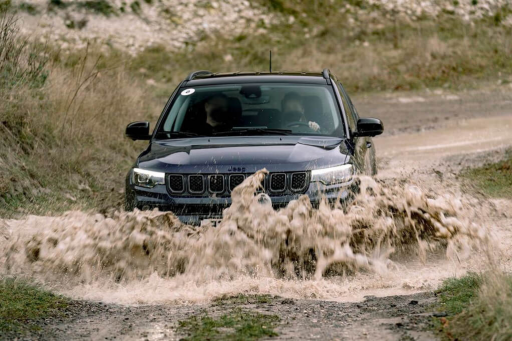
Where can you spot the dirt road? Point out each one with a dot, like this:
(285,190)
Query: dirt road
(429,138)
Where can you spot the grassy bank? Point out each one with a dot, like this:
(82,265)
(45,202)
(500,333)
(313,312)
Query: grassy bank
(494,179)
(62,121)
(22,304)
(478,307)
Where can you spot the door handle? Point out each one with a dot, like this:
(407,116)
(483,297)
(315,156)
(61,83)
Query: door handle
(368,144)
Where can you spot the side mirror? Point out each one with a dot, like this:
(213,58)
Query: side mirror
(369,127)
(138,131)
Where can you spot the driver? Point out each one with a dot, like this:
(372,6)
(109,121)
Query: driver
(293,112)
(292,108)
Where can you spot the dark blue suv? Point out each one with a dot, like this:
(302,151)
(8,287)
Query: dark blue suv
(217,129)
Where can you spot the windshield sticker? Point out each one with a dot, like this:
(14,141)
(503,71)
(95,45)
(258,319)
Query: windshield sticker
(188,92)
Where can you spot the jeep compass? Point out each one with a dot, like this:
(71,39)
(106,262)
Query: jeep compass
(218,129)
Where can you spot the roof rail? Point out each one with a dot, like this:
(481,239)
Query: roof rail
(326,74)
(195,74)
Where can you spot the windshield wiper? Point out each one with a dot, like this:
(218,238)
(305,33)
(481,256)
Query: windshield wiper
(177,134)
(258,131)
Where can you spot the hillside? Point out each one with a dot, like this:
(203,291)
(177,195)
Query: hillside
(92,66)
(134,25)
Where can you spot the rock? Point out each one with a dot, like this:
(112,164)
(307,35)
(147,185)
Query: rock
(287,301)
(440,314)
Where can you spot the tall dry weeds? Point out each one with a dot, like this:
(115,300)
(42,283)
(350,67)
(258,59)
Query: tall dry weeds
(61,129)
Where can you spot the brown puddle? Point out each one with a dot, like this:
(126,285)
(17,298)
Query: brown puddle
(397,237)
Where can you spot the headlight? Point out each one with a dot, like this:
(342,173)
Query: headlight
(333,175)
(146,178)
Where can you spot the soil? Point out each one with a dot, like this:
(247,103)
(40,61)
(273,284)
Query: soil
(431,135)
(386,318)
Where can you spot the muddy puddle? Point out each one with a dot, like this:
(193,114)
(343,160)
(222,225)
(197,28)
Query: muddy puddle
(397,238)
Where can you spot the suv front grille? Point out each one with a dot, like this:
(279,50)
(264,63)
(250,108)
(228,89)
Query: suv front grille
(277,182)
(298,181)
(176,183)
(235,180)
(223,184)
(216,183)
(195,184)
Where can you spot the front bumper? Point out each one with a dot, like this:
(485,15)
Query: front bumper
(192,210)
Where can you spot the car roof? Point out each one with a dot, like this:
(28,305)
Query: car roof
(199,78)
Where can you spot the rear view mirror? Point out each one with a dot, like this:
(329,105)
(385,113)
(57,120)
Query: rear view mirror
(138,131)
(369,127)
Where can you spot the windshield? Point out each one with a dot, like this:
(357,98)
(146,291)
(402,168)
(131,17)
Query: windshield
(253,109)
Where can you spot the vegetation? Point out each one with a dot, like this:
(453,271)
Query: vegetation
(62,115)
(368,54)
(22,303)
(234,325)
(61,127)
(98,6)
(494,179)
(457,293)
(479,307)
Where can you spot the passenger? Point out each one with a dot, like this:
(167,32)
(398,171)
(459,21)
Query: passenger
(292,108)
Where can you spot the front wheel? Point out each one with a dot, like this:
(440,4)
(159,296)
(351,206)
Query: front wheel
(129,202)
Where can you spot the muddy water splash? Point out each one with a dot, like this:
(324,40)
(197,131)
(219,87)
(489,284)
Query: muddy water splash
(288,250)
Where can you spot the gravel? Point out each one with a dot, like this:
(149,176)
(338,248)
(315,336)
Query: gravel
(383,318)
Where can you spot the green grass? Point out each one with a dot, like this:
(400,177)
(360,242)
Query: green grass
(457,293)
(22,303)
(494,179)
(479,307)
(236,325)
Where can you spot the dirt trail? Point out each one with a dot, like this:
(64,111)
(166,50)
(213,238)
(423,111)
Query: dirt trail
(428,139)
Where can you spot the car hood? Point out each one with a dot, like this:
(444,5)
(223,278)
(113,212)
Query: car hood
(243,154)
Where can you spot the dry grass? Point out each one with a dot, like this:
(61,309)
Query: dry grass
(61,137)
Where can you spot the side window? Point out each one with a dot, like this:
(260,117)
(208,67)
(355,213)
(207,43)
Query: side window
(348,108)
(354,111)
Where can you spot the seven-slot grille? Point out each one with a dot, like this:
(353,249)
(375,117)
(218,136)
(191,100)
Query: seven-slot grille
(176,183)
(235,180)
(195,184)
(277,182)
(216,183)
(298,181)
(223,184)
